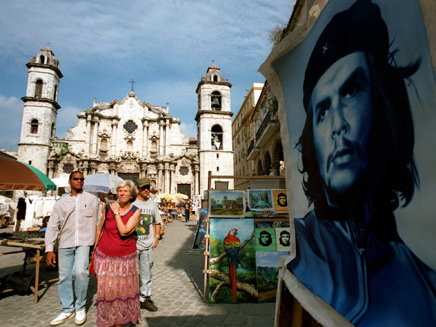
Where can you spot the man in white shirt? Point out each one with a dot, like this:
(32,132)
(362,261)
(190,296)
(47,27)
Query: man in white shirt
(73,222)
(147,239)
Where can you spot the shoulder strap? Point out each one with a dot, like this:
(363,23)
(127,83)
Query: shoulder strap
(106,210)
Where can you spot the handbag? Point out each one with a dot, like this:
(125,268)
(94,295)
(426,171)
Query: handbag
(91,264)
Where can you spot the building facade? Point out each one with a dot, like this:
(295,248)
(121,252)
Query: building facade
(241,129)
(265,150)
(129,138)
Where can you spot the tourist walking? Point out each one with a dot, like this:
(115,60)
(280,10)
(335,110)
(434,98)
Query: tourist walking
(116,264)
(187,210)
(148,233)
(72,226)
(20,214)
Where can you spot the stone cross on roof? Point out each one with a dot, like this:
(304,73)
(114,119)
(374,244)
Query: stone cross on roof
(132,81)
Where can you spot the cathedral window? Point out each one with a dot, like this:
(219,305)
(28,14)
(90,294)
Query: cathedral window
(215,100)
(215,78)
(42,59)
(52,130)
(129,145)
(55,94)
(216,137)
(154,145)
(68,168)
(34,126)
(38,89)
(103,144)
(130,126)
(184,170)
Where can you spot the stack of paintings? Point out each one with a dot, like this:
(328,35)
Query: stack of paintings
(244,255)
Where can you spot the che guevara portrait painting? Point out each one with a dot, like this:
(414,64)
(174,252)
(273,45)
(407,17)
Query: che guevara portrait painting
(360,105)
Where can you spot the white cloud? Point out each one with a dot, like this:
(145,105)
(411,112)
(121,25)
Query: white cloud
(166,46)
(190,130)
(67,118)
(11,111)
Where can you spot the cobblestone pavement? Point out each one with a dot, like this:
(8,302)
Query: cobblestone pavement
(177,290)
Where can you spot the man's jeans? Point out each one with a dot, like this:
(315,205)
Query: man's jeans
(145,262)
(73,264)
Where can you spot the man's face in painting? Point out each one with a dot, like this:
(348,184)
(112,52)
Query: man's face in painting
(285,238)
(342,118)
(282,200)
(265,239)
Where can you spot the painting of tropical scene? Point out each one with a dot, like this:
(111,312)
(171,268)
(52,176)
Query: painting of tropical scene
(267,270)
(232,261)
(226,203)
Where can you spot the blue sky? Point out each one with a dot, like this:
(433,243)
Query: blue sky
(165,46)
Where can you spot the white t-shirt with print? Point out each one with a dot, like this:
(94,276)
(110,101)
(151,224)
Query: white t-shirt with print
(149,216)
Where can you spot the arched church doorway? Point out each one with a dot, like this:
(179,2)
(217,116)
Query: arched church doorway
(184,189)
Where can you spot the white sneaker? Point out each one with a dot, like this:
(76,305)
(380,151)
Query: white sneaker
(61,318)
(80,317)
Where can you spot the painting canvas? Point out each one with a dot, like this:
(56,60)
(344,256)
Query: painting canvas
(280,200)
(265,239)
(267,271)
(232,261)
(226,203)
(283,238)
(260,200)
(358,98)
(202,229)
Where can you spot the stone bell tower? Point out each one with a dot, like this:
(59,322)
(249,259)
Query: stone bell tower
(41,107)
(214,127)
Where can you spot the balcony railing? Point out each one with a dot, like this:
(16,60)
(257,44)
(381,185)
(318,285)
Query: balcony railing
(264,125)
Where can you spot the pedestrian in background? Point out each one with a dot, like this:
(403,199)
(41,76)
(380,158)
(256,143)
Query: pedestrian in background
(187,210)
(20,213)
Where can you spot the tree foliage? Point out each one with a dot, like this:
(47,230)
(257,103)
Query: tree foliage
(275,34)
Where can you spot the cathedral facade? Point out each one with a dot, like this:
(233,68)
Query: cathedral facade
(129,138)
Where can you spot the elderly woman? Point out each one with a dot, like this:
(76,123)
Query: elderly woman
(116,263)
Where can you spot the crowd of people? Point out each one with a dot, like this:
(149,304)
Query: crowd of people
(121,232)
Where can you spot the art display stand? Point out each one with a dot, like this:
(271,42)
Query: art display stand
(206,270)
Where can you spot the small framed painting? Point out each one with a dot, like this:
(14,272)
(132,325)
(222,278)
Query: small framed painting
(260,200)
(226,204)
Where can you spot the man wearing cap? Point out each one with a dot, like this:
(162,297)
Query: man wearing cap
(358,165)
(148,232)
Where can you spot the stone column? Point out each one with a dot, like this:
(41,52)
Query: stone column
(95,137)
(145,139)
(113,138)
(167,137)
(88,135)
(275,169)
(50,170)
(172,179)
(196,180)
(167,177)
(159,177)
(161,138)
(84,168)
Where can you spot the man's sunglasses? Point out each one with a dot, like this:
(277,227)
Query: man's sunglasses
(145,187)
(78,179)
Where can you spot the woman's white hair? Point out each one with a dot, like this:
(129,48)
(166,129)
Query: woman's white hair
(131,186)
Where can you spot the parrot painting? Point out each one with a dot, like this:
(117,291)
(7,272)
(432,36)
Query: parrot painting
(231,246)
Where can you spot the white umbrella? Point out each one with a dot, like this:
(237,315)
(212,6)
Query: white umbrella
(61,181)
(102,183)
